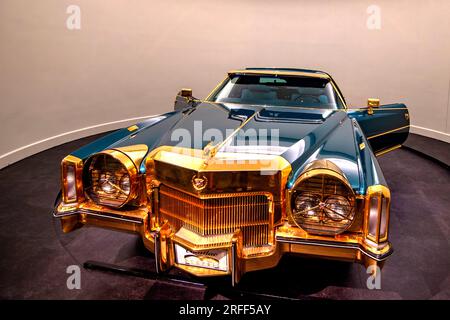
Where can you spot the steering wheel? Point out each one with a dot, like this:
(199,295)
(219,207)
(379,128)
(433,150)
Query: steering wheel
(310,96)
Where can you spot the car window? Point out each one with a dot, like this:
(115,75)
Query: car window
(279,91)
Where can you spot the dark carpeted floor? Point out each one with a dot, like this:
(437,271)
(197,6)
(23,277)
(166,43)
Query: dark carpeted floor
(34,254)
(431,148)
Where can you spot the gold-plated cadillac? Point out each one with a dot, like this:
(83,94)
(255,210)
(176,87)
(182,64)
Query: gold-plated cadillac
(272,162)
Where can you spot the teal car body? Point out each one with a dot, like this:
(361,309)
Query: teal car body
(325,133)
(327,197)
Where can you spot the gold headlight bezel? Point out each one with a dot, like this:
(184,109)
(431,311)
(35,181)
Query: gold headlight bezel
(129,158)
(328,169)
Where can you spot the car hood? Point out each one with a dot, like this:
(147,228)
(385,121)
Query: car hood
(283,126)
(300,135)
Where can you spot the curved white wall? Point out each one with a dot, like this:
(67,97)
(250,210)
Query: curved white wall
(130,57)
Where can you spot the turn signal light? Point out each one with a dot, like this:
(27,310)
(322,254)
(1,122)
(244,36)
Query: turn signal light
(378,202)
(71,171)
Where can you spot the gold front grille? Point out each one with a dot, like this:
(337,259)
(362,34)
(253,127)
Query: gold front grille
(217,214)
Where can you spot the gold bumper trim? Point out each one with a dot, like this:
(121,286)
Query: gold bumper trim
(162,242)
(161,239)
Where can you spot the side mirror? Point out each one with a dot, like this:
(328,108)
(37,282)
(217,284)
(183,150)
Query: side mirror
(186,92)
(372,103)
(184,99)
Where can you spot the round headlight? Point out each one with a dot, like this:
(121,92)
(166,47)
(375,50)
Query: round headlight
(306,204)
(107,181)
(125,184)
(337,208)
(109,178)
(322,201)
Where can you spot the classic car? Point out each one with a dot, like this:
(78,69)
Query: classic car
(271,162)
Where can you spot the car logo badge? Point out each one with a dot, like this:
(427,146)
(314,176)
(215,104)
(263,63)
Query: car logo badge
(199,182)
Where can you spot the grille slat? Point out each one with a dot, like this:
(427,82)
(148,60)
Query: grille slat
(218,214)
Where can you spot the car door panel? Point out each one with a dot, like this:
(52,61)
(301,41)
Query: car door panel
(386,128)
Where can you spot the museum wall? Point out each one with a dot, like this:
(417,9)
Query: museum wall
(65,75)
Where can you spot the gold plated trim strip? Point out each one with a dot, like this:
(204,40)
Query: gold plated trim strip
(380,108)
(380,153)
(339,94)
(283,73)
(213,91)
(387,132)
(132,128)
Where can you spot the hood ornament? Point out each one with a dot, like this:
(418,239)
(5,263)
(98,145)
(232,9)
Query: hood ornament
(210,150)
(199,181)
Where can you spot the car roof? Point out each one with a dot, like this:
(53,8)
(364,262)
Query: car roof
(283,71)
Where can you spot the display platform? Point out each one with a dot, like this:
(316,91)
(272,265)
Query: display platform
(35,254)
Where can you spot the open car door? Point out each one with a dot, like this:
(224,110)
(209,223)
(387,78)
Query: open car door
(386,127)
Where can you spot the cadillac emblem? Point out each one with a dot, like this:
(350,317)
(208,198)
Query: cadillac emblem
(199,182)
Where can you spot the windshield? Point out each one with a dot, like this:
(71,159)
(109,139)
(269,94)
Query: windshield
(278,91)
